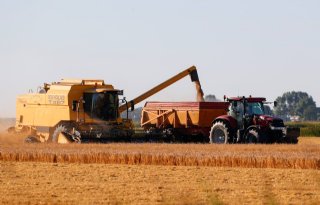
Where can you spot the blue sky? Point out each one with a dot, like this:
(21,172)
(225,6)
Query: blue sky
(262,48)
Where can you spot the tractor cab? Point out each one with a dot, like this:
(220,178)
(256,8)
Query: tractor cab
(245,109)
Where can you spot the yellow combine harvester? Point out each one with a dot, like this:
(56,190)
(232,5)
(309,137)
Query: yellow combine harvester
(82,110)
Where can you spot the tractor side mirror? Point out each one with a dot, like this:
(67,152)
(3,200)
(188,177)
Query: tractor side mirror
(275,103)
(74,105)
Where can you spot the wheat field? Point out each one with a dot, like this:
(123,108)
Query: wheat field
(303,156)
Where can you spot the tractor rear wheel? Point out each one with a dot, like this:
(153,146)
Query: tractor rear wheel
(219,133)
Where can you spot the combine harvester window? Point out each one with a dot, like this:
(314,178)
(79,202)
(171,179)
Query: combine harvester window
(101,105)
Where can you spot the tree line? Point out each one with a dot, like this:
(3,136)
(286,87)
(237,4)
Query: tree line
(299,104)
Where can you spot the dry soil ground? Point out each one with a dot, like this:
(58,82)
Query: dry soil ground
(72,183)
(91,183)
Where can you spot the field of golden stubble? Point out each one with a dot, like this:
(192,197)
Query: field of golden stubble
(303,156)
(134,173)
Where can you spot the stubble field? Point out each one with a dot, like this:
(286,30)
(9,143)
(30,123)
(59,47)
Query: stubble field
(135,173)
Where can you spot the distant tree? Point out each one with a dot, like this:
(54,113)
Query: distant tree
(211,98)
(310,113)
(296,103)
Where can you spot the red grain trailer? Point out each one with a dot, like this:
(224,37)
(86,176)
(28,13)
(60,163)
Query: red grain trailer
(182,120)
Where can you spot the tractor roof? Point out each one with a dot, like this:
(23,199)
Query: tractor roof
(249,99)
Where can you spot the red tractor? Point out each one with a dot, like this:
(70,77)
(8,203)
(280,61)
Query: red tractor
(247,122)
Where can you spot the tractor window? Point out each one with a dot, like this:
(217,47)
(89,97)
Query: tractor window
(255,108)
(102,106)
(236,107)
(236,111)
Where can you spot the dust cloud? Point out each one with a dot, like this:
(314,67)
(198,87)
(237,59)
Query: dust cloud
(5,123)
(5,137)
